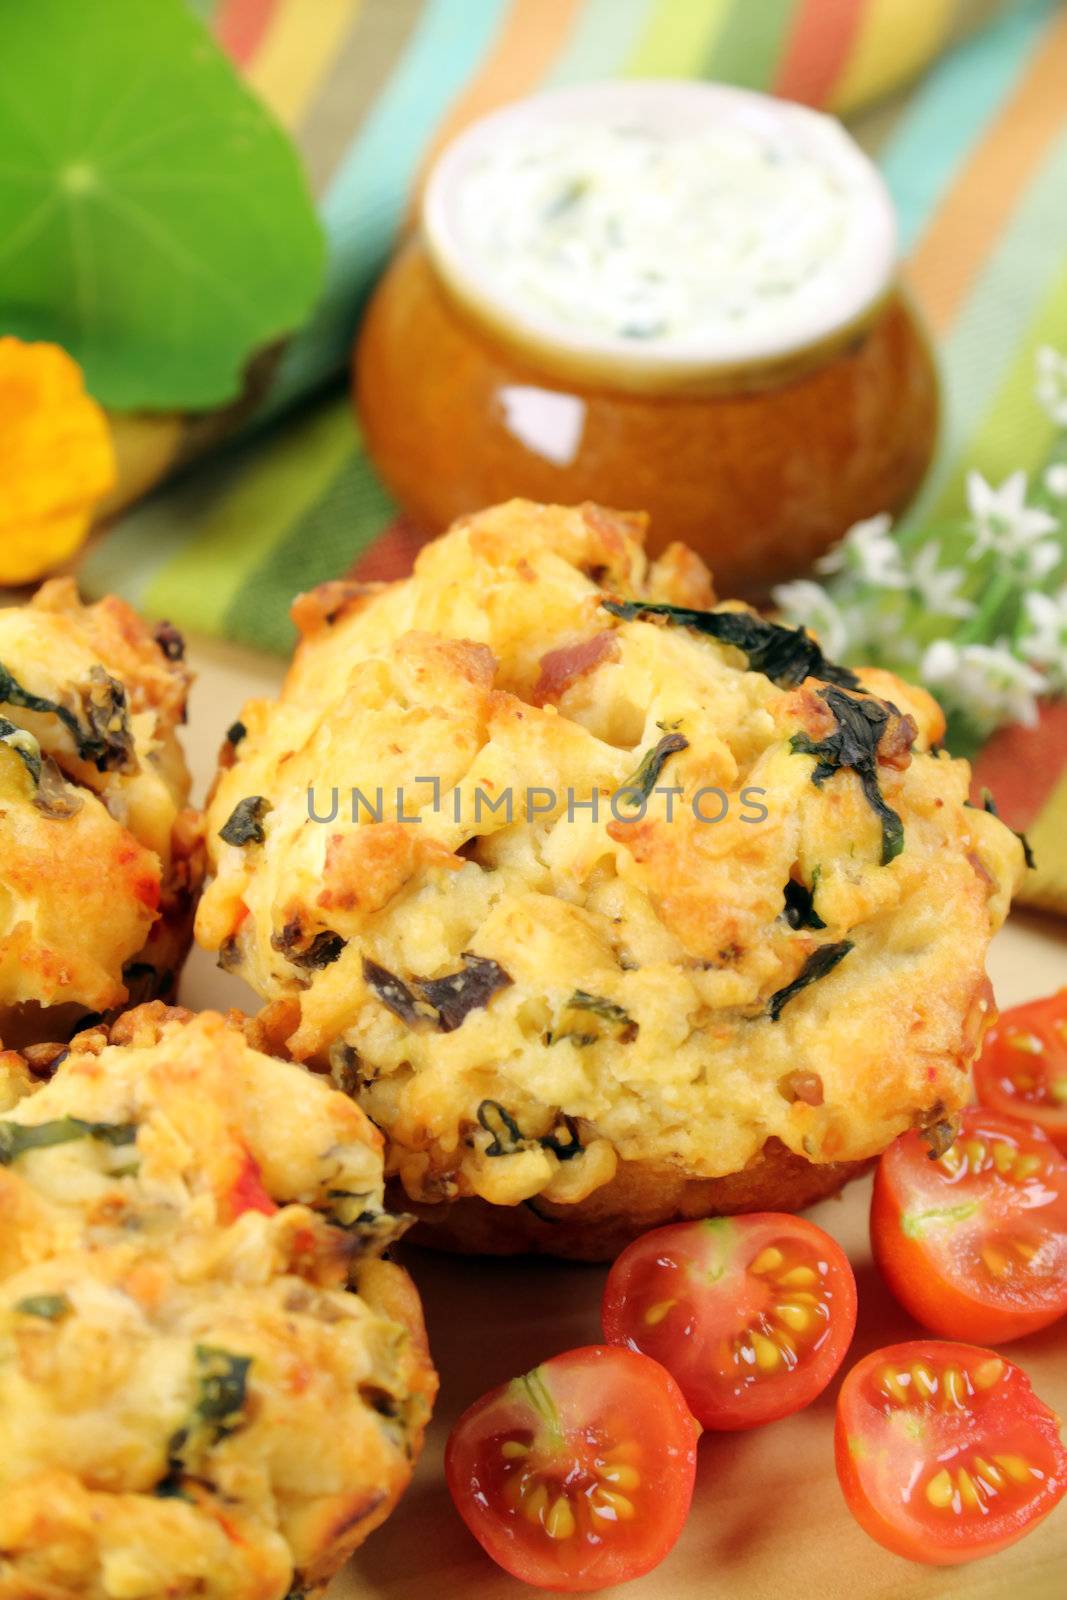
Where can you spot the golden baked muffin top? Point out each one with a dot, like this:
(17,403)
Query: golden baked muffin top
(778,930)
(92,786)
(193,1402)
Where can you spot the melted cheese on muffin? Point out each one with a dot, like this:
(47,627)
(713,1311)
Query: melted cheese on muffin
(97,860)
(521,996)
(192,1400)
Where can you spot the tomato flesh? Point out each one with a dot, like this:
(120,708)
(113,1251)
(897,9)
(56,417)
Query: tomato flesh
(247,1192)
(944,1452)
(974,1244)
(578,1474)
(1022,1070)
(752,1315)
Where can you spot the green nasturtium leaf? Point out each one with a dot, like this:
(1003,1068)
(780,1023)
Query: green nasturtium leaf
(154,219)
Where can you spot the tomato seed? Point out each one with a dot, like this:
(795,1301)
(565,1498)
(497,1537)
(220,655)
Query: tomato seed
(968,1492)
(621,1476)
(798,1278)
(892,1385)
(954,1387)
(612,1507)
(768,1355)
(560,1523)
(535,1504)
(1004,1156)
(939,1491)
(924,1381)
(996,1262)
(1015,1467)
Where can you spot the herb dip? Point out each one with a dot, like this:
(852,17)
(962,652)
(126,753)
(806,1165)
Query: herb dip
(644,234)
(663,217)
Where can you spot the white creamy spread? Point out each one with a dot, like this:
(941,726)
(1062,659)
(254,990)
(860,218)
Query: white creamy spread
(662,223)
(643,234)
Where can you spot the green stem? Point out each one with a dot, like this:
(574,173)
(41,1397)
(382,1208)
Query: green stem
(978,629)
(532,1388)
(916,534)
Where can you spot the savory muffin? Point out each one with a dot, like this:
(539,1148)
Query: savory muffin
(210,1383)
(99,860)
(607,904)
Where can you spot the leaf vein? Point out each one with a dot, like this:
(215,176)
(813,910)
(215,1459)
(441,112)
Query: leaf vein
(30,225)
(169,248)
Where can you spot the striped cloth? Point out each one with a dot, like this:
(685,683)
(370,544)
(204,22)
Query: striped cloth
(975,153)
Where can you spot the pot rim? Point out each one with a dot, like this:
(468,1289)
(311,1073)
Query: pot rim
(864,269)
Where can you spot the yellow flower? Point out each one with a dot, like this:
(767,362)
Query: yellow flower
(56,459)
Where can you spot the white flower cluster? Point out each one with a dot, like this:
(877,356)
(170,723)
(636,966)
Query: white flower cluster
(1012,530)
(987,683)
(869,555)
(937,588)
(973,612)
(868,552)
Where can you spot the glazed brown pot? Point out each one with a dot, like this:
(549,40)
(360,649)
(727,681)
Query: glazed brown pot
(760,473)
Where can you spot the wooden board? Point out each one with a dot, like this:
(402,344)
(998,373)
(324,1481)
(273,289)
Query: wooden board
(768,1519)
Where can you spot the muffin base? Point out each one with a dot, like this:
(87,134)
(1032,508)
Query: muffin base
(639,1197)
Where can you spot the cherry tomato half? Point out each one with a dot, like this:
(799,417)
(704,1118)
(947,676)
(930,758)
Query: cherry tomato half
(752,1315)
(974,1244)
(1022,1070)
(944,1452)
(578,1474)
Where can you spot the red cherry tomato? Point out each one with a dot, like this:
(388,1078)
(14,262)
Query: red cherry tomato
(1022,1070)
(578,1474)
(974,1244)
(944,1452)
(752,1315)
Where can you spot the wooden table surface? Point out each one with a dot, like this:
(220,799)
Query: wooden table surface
(768,1520)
